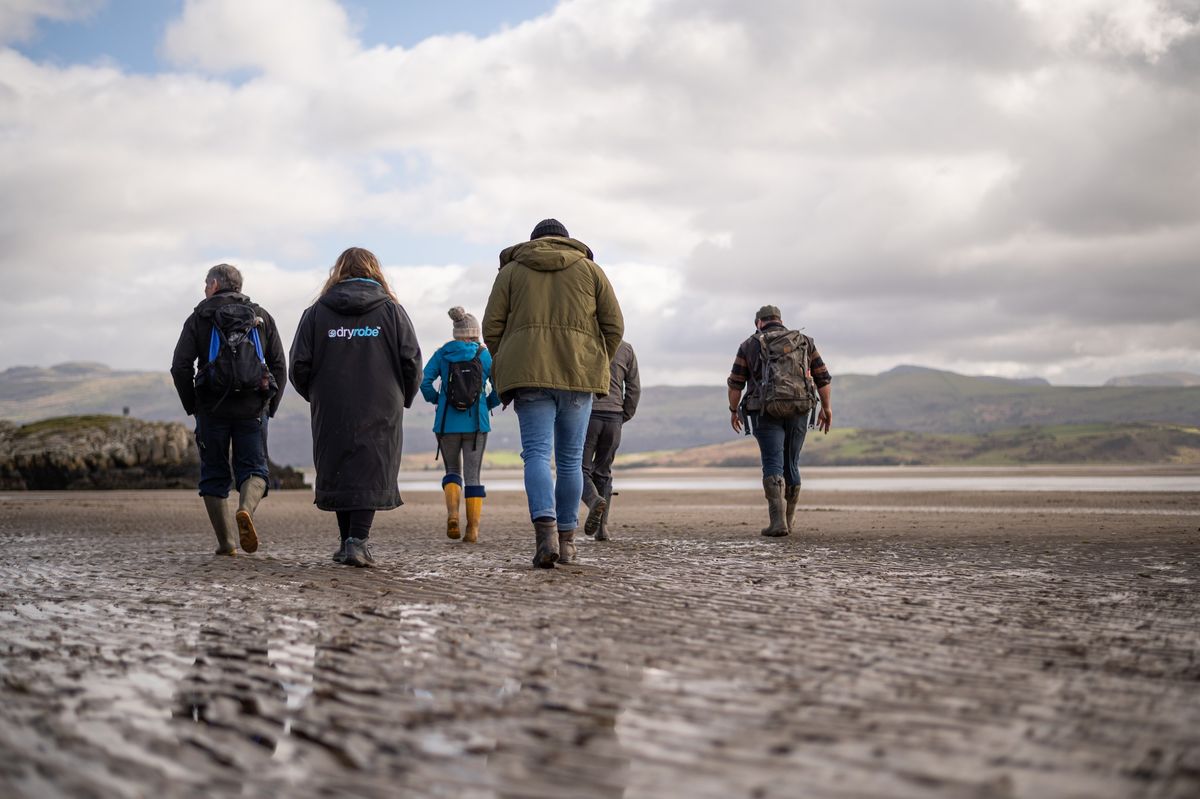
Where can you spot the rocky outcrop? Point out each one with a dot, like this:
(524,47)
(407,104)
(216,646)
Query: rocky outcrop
(104,452)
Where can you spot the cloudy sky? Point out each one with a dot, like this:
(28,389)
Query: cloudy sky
(1007,187)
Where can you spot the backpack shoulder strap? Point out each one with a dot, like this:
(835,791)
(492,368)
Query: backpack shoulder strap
(257,343)
(214,344)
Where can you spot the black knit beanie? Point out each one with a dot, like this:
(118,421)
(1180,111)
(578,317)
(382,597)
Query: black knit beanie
(549,227)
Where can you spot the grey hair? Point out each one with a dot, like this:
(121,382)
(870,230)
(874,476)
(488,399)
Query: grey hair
(226,276)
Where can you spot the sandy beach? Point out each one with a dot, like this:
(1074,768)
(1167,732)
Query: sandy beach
(906,643)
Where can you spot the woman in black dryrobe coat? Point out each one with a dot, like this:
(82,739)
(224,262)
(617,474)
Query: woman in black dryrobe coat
(356,360)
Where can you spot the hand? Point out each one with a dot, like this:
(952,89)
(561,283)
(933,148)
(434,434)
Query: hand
(735,421)
(824,419)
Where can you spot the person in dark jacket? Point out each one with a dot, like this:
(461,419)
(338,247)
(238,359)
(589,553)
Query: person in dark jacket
(462,434)
(355,359)
(604,437)
(228,418)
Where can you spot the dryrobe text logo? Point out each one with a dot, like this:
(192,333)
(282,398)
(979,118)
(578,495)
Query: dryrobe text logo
(353,332)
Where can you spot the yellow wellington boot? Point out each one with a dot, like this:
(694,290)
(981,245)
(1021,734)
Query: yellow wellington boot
(453,491)
(474,509)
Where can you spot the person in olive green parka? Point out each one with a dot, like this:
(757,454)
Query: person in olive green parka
(553,325)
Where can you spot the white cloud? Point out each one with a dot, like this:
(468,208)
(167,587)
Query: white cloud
(975,186)
(1145,28)
(297,40)
(19,18)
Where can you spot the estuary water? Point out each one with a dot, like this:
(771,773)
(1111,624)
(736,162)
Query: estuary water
(897,479)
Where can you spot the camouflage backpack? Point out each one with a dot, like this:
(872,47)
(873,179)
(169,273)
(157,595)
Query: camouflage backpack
(786,387)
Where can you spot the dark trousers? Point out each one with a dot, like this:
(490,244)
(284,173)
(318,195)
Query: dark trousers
(221,469)
(599,448)
(355,523)
(779,444)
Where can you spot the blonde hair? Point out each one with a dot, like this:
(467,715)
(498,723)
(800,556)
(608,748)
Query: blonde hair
(356,262)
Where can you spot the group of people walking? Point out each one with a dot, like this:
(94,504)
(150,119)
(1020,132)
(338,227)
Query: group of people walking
(550,344)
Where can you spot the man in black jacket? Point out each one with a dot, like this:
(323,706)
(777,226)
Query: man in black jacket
(230,414)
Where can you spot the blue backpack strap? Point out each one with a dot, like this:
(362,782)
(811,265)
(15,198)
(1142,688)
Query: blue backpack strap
(257,343)
(214,344)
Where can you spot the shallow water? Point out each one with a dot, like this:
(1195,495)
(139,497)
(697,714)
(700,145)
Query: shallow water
(906,483)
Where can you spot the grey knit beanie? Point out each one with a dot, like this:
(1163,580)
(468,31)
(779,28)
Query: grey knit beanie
(465,325)
(549,227)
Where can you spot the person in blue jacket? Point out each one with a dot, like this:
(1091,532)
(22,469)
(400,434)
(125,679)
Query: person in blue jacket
(463,368)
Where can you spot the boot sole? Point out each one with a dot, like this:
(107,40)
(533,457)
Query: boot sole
(595,516)
(452,530)
(774,535)
(545,561)
(247,535)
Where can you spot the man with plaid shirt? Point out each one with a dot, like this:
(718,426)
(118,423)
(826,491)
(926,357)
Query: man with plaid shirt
(779,439)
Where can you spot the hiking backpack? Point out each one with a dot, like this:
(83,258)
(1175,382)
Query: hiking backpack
(786,387)
(236,364)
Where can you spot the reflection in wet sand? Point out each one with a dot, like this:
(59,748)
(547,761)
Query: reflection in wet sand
(953,645)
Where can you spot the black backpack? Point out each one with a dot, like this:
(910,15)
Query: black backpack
(236,365)
(464,383)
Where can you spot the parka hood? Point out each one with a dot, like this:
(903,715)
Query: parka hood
(547,254)
(354,297)
(209,305)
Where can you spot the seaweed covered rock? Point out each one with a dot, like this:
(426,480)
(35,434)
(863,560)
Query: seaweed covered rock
(105,452)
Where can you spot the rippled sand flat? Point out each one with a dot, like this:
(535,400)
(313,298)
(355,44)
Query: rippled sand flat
(971,644)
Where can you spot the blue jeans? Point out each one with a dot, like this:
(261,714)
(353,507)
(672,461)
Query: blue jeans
(779,444)
(553,421)
(215,437)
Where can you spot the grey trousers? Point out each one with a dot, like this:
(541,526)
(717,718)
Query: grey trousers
(463,454)
(599,448)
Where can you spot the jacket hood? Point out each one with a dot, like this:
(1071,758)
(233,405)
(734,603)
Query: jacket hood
(547,254)
(355,297)
(209,305)
(459,350)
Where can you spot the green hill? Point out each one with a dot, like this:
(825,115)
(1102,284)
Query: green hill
(907,398)
(1061,444)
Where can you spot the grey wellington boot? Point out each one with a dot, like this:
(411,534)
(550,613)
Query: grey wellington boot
(602,533)
(596,505)
(218,515)
(776,506)
(792,495)
(566,547)
(547,543)
(251,494)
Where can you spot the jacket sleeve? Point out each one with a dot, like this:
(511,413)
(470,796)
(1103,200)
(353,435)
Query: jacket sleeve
(433,370)
(183,366)
(493,399)
(302,354)
(633,387)
(608,314)
(495,316)
(276,361)
(408,355)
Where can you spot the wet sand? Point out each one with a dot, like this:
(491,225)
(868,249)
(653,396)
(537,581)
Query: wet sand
(905,644)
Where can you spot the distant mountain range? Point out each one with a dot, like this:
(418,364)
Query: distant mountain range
(1157,379)
(907,398)
(1136,442)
